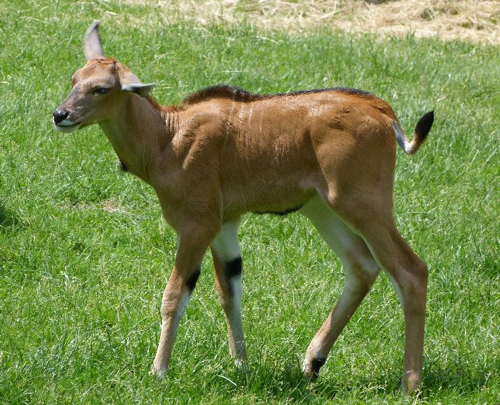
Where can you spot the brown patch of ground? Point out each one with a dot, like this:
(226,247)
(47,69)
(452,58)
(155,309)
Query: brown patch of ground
(473,20)
(112,206)
(106,205)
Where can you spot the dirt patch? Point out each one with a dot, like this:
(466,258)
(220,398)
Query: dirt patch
(106,205)
(472,20)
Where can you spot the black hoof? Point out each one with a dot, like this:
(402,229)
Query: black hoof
(316,364)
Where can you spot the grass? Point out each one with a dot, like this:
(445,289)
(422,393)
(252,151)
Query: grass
(84,258)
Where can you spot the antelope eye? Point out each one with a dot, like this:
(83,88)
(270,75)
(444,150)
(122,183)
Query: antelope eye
(101,90)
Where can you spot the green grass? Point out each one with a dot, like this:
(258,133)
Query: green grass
(84,259)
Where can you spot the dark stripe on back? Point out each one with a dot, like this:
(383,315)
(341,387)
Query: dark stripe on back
(347,90)
(220,91)
(238,94)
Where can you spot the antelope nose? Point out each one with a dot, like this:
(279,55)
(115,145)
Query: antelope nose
(60,115)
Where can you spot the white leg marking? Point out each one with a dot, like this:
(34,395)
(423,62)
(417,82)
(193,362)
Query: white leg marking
(181,309)
(227,249)
(359,266)
(396,287)
(226,243)
(234,319)
(337,235)
(335,232)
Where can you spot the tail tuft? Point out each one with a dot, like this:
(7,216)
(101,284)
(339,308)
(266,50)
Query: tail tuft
(421,131)
(424,126)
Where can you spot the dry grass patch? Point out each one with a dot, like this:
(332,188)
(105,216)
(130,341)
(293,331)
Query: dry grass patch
(110,206)
(475,21)
(472,20)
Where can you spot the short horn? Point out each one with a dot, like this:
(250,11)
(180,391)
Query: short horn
(92,43)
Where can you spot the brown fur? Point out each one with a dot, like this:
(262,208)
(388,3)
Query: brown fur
(240,95)
(224,152)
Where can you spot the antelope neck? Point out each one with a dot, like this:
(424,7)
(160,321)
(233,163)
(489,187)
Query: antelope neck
(138,133)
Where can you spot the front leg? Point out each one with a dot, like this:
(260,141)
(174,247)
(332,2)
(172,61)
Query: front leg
(190,251)
(228,266)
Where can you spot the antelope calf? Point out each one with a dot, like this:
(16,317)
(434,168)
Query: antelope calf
(329,154)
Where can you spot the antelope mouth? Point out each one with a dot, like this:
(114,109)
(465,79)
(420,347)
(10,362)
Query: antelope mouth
(67,125)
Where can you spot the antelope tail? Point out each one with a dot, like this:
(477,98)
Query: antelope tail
(421,131)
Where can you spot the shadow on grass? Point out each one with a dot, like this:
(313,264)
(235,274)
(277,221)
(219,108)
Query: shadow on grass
(8,221)
(461,377)
(288,383)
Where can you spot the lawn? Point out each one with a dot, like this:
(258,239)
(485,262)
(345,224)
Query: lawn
(84,256)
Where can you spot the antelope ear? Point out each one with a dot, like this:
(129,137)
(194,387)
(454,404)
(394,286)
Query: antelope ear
(131,82)
(92,44)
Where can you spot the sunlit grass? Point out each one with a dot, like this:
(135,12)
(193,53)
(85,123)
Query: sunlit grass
(84,258)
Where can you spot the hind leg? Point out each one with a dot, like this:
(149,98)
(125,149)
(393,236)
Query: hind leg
(360,268)
(371,217)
